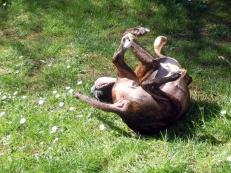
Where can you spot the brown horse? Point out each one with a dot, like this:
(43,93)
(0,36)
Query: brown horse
(148,99)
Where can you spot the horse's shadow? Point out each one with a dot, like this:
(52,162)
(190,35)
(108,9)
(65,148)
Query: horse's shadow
(199,113)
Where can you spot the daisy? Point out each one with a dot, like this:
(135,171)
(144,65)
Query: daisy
(57,95)
(102,127)
(70,91)
(6,140)
(54,92)
(24,97)
(55,140)
(80,116)
(61,104)
(223,112)
(229,158)
(54,129)
(72,108)
(4,97)
(41,101)
(68,87)
(22,120)
(2,114)
(42,61)
(79,82)
(15,93)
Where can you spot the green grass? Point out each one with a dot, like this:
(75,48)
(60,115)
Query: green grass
(46,46)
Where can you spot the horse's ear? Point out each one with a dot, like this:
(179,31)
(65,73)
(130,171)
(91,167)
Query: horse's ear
(137,31)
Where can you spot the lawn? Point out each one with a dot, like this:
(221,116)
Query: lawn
(51,48)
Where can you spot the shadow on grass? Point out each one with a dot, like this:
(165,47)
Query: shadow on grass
(199,113)
(111,125)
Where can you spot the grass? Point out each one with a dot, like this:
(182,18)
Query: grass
(48,46)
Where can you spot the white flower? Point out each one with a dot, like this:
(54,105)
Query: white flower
(15,93)
(72,108)
(223,112)
(54,92)
(55,140)
(70,91)
(49,65)
(54,129)
(41,60)
(24,97)
(49,149)
(36,155)
(68,66)
(4,4)
(57,96)
(6,140)
(22,120)
(79,82)
(41,101)
(61,104)
(20,57)
(68,87)
(229,158)
(4,97)
(17,71)
(2,114)
(102,127)
(79,116)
